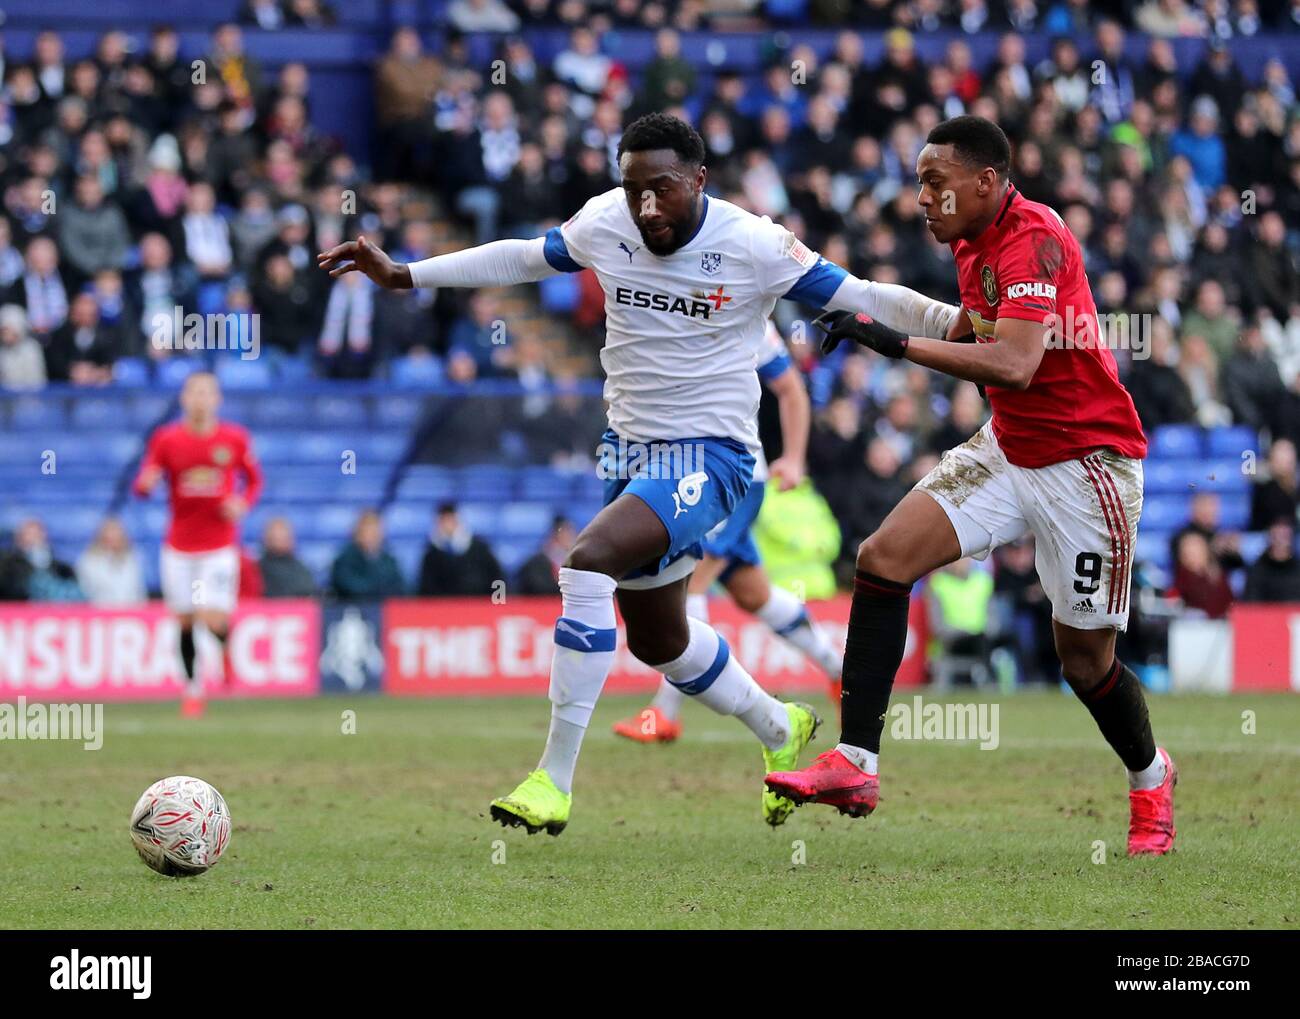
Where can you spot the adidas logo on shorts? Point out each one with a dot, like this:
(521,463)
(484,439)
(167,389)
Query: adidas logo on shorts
(1084,605)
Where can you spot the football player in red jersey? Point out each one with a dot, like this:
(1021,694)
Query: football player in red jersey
(1061,458)
(201,457)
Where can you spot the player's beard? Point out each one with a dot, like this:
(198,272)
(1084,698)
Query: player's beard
(677,235)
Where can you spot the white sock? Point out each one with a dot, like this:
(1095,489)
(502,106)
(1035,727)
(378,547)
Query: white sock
(864,760)
(708,671)
(788,618)
(668,699)
(584,653)
(1150,776)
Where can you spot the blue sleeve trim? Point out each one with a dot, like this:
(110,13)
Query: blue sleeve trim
(557,252)
(817,285)
(769,370)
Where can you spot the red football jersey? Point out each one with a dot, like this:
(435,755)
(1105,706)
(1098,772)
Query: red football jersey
(200,472)
(1026,264)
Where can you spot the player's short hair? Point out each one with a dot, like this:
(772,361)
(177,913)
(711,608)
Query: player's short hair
(663,131)
(977,141)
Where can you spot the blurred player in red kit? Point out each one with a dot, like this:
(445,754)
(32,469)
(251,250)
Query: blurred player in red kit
(201,457)
(1061,458)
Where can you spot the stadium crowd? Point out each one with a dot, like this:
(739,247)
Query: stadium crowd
(132,187)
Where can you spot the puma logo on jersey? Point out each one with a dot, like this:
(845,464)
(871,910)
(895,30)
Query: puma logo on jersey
(622,246)
(661,302)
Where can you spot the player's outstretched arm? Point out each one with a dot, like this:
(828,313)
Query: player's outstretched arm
(795,410)
(1009,362)
(906,310)
(495,264)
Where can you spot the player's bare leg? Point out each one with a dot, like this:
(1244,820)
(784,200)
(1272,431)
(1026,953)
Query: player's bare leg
(916,538)
(1113,694)
(192,698)
(753,592)
(218,624)
(625,535)
(659,723)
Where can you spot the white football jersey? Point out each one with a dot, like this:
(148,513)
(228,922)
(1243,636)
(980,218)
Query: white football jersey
(683,333)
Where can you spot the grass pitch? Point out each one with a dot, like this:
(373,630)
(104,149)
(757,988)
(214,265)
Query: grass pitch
(388,827)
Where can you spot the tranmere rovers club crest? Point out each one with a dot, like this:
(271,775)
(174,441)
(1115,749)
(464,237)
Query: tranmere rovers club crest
(711,262)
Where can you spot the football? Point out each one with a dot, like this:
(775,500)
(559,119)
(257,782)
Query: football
(180,826)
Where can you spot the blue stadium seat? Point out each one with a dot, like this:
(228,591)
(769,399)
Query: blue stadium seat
(581,513)
(238,407)
(416,372)
(97,412)
(62,489)
(145,519)
(407,520)
(560,294)
(145,410)
(328,522)
(175,370)
(1164,512)
(486,482)
(1181,476)
(1234,511)
(398,411)
(237,373)
(429,483)
(73,525)
(131,371)
(97,452)
(292,368)
(1225,475)
(1176,441)
(589,486)
(482,518)
(277,412)
(1153,547)
(409,554)
(1252,545)
(28,413)
(524,519)
(1231,442)
(340,412)
(373,449)
(545,485)
(512,554)
(318,556)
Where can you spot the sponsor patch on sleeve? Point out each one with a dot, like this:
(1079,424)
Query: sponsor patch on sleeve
(799,251)
(1034,289)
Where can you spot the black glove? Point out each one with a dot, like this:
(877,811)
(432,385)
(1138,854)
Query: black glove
(860,328)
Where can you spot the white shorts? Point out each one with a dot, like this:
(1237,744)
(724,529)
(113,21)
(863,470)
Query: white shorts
(197,581)
(1082,513)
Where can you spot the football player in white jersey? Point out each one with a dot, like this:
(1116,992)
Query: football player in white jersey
(690,282)
(731,555)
